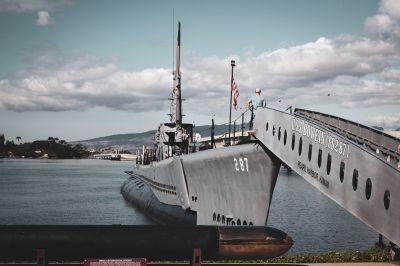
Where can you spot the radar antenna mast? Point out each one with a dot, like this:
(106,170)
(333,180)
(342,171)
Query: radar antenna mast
(173,138)
(176,104)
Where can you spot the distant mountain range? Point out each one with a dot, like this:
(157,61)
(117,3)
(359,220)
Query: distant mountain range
(134,141)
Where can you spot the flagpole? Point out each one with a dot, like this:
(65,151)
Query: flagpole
(230,103)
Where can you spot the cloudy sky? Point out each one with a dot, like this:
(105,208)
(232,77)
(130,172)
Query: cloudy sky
(83,69)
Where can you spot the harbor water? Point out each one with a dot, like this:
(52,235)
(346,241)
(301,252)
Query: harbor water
(88,192)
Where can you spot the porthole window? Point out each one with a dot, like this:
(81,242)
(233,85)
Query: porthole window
(238,222)
(293,141)
(319,157)
(328,164)
(386,199)
(284,137)
(214,216)
(218,218)
(355,179)
(266,127)
(279,133)
(368,188)
(273,131)
(309,151)
(223,219)
(342,165)
(300,146)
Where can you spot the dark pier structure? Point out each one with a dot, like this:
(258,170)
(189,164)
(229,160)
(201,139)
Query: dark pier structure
(78,242)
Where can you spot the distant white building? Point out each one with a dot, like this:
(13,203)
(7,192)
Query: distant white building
(221,140)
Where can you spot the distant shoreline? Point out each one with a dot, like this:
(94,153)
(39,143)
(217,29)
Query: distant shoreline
(52,148)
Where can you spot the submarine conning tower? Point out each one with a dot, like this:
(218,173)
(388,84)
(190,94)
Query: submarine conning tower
(174,138)
(354,165)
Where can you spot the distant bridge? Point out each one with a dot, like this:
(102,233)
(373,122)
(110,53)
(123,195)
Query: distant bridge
(354,165)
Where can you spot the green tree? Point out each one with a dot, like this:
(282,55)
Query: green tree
(10,143)
(2,139)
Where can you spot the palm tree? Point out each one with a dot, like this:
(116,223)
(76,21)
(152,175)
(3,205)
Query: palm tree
(18,138)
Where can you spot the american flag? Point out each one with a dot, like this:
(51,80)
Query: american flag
(235,94)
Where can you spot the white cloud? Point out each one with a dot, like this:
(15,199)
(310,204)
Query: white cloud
(385,25)
(42,7)
(44,19)
(31,6)
(387,122)
(391,74)
(391,7)
(305,74)
(81,82)
(324,59)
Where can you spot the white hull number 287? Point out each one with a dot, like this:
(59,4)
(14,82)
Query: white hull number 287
(241,164)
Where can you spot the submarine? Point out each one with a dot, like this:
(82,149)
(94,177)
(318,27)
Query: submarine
(229,187)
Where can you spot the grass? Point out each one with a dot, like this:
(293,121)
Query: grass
(374,254)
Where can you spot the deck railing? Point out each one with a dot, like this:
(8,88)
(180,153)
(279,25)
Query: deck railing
(384,145)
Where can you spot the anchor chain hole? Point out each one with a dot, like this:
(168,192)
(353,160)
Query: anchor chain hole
(342,166)
(368,188)
(386,199)
(284,137)
(300,146)
(319,158)
(293,141)
(328,164)
(279,133)
(355,179)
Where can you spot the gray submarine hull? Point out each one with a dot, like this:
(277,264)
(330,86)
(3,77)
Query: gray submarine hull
(226,186)
(223,188)
(138,194)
